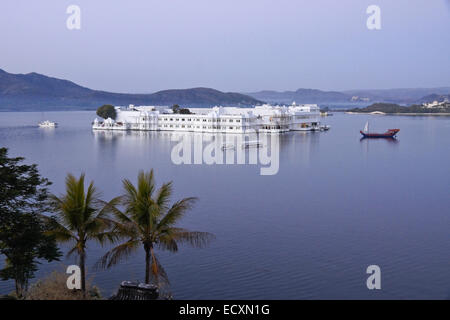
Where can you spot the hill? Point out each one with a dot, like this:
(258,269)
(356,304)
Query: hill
(402,96)
(434,97)
(301,96)
(35,91)
(399,95)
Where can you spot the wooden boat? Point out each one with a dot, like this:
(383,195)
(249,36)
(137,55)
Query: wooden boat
(390,133)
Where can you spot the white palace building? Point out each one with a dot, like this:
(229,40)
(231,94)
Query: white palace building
(265,118)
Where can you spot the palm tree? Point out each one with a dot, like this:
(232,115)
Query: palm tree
(149,220)
(81,216)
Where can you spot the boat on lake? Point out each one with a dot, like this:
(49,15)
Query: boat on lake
(48,124)
(252,144)
(228,147)
(390,133)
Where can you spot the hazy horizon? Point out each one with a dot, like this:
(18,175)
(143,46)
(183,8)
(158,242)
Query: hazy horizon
(232,46)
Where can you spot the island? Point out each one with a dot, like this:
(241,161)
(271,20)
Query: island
(435,108)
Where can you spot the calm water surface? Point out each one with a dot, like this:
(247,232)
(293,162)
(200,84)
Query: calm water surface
(336,206)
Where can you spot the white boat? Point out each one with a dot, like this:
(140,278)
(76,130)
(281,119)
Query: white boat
(48,124)
(227,146)
(252,144)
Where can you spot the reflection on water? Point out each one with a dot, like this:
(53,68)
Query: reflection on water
(366,143)
(392,140)
(186,148)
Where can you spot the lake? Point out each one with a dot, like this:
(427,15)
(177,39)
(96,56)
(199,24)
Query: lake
(336,205)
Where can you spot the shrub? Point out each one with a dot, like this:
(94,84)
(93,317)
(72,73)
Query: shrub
(107,111)
(54,287)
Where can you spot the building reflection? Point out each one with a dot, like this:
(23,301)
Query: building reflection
(209,148)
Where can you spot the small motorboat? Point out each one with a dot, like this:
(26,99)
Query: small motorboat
(48,124)
(390,133)
(318,127)
(252,144)
(228,147)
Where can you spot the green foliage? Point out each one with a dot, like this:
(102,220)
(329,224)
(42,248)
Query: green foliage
(185,111)
(149,220)
(177,110)
(107,111)
(81,216)
(23,238)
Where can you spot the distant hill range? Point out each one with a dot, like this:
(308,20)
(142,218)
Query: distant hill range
(402,96)
(300,96)
(35,91)
(434,97)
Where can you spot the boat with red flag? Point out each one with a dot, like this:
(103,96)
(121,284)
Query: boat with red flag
(390,133)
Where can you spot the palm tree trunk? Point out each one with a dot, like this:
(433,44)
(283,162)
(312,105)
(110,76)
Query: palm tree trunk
(19,284)
(155,265)
(83,271)
(147,263)
(18,290)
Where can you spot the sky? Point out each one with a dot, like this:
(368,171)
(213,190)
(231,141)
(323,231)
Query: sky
(143,46)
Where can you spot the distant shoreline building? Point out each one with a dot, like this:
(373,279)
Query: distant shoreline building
(436,104)
(265,118)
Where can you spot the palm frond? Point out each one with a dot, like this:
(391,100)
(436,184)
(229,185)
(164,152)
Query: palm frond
(146,183)
(60,232)
(72,251)
(109,207)
(158,273)
(107,236)
(195,239)
(129,199)
(116,254)
(176,212)
(163,196)
(90,204)
(167,242)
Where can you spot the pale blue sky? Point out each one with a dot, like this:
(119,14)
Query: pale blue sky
(230,45)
